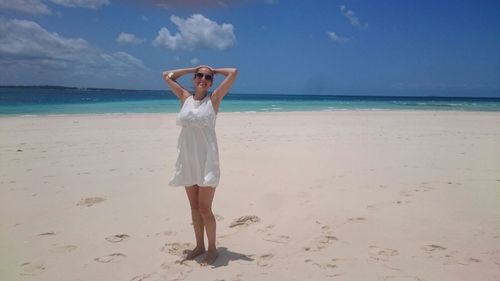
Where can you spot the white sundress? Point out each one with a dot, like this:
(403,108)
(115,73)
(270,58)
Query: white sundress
(198,153)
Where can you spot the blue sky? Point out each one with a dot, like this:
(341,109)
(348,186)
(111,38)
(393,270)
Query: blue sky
(394,47)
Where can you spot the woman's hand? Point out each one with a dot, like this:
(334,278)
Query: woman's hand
(176,88)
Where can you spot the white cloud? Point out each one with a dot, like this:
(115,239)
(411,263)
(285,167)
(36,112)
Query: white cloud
(195,61)
(337,38)
(35,7)
(144,18)
(90,4)
(349,14)
(28,51)
(196,32)
(27,40)
(38,7)
(127,38)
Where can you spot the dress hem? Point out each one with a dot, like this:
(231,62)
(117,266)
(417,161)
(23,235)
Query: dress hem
(186,185)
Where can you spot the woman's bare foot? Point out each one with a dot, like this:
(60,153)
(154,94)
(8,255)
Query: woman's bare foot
(210,257)
(194,253)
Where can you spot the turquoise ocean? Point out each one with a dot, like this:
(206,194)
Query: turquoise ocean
(26,101)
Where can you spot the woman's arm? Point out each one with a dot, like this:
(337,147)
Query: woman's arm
(224,87)
(176,88)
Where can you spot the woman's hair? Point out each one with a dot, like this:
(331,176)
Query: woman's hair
(207,67)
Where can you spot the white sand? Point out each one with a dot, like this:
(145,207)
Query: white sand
(354,195)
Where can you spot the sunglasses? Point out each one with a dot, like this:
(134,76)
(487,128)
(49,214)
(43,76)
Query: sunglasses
(200,75)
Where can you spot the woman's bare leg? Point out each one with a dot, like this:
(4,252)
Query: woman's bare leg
(193,195)
(205,199)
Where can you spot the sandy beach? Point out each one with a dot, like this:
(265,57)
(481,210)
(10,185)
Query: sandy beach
(342,195)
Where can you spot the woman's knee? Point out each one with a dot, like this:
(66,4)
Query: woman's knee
(195,210)
(205,210)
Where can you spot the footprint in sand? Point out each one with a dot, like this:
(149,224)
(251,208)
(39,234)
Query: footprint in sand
(148,276)
(323,241)
(455,258)
(382,254)
(423,187)
(176,271)
(63,249)
(271,237)
(115,257)
(432,247)
(276,238)
(451,258)
(263,260)
(31,269)
(177,249)
(327,267)
(357,219)
(117,238)
(322,266)
(245,220)
(401,202)
(47,233)
(89,201)
(166,233)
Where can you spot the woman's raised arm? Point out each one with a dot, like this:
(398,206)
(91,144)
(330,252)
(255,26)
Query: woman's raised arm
(170,77)
(224,87)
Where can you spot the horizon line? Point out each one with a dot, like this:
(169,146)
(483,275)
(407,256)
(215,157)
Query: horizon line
(262,94)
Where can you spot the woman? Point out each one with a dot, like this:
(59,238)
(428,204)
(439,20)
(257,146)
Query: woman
(197,166)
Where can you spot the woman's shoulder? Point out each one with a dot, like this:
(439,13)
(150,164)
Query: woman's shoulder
(186,98)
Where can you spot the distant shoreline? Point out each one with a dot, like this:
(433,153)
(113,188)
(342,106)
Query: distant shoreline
(38,87)
(338,95)
(64,88)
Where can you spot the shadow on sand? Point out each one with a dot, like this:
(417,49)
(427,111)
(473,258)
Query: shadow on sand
(225,256)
